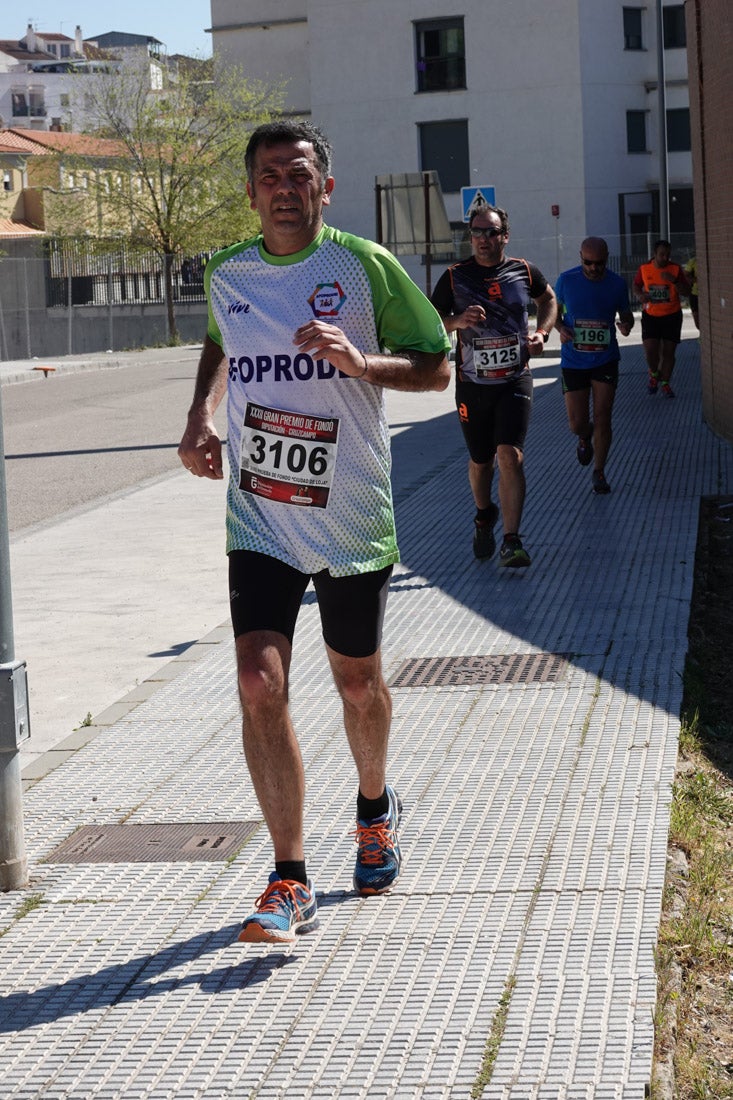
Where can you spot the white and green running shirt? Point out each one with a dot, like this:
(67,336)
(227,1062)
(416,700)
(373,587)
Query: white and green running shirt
(308,447)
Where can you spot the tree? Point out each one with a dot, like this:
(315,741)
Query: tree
(177,184)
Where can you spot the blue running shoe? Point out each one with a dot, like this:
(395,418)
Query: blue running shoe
(285,908)
(378,857)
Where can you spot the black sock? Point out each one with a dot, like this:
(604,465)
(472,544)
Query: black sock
(484,515)
(292,869)
(369,808)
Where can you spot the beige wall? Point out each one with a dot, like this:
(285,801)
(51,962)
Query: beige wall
(710,49)
(11,202)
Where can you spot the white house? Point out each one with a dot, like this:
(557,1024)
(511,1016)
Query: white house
(556,106)
(38,71)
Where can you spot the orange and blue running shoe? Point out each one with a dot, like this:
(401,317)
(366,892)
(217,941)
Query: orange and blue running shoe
(284,909)
(378,857)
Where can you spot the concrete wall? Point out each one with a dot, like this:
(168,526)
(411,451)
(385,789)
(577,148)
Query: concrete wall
(710,48)
(284,32)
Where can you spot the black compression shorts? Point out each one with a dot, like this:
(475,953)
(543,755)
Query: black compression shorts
(266,594)
(579,378)
(662,328)
(494,415)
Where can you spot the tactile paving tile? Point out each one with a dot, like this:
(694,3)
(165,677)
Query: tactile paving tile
(534,830)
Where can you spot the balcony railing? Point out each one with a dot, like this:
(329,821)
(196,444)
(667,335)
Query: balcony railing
(23,110)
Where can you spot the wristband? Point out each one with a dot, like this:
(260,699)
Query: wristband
(541,332)
(366,366)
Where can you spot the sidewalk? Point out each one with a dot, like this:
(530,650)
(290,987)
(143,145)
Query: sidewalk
(41,369)
(534,743)
(106,593)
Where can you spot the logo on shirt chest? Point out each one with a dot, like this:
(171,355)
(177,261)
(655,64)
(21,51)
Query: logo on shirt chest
(493,289)
(327,299)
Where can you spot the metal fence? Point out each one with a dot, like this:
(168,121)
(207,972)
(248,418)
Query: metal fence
(76,276)
(118,276)
(53,304)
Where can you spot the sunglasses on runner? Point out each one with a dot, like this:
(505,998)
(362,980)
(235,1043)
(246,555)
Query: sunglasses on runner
(475,231)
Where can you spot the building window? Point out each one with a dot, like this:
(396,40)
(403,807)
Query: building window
(64,99)
(678,130)
(37,104)
(632,29)
(636,132)
(65,49)
(444,149)
(441,57)
(675,31)
(20,106)
(640,231)
(7,181)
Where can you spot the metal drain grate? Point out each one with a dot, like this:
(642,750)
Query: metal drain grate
(215,840)
(513,668)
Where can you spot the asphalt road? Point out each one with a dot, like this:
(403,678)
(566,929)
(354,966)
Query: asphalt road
(73,439)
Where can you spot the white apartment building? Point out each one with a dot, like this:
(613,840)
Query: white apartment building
(38,74)
(556,106)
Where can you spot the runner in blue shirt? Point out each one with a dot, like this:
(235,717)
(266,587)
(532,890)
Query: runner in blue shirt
(588,299)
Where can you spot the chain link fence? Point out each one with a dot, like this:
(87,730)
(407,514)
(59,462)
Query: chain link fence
(66,300)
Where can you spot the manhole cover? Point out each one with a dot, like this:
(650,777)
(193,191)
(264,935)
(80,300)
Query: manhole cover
(513,668)
(206,840)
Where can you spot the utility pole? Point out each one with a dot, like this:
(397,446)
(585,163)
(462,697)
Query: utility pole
(14,718)
(664,230)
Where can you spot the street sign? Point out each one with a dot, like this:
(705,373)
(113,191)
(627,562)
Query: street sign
(473,198)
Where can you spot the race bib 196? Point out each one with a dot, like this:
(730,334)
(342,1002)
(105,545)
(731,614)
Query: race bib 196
(288,457)
(591,335)
(496,356)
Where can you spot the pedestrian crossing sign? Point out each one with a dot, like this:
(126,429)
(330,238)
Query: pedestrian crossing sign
(474,198)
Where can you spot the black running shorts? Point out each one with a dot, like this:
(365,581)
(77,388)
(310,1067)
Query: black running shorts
(266,594)
(578,378)
(494,415)
(662,328)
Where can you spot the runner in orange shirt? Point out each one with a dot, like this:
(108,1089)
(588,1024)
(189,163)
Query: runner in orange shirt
(658,286)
